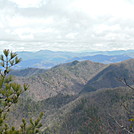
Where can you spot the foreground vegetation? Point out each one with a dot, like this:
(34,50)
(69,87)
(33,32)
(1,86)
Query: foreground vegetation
(9,95)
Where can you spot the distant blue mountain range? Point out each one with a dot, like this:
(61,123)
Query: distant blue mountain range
(106,59)
(47,59)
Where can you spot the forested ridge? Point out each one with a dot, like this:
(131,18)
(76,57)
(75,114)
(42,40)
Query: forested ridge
(79,97)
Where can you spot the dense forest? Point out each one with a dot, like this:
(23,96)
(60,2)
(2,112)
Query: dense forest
(78,97)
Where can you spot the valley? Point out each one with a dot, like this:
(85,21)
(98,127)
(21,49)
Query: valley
(78,97)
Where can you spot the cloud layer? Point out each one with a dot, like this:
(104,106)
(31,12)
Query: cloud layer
(69,25)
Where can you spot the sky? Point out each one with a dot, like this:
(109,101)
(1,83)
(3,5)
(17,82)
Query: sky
(66,25)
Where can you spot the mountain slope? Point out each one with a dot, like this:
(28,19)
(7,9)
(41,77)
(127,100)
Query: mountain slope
(27,72)
(109,76)
(66,78)
(90,113)
(87,113)
(56,91)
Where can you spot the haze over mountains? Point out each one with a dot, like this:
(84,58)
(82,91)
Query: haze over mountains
(47,59)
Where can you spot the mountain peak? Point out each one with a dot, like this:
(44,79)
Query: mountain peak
(108,77)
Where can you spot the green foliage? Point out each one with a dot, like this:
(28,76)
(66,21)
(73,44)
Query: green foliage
(9,95)
(34,126)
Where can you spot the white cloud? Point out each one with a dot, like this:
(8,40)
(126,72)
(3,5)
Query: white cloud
(27,3)
(71,35)
(20,21)
(94,8)
(1,25)
(103,27)
(78,24)
(26,36)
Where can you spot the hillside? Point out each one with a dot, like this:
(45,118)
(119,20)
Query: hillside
(58,92)
(109,76)
(88,113)
(27,72)
(66,78)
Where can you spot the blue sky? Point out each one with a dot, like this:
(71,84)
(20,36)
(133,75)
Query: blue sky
(66,25)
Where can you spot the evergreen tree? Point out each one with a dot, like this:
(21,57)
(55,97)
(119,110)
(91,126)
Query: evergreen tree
(10,92)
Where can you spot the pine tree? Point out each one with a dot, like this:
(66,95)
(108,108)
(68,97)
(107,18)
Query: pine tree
(10,92)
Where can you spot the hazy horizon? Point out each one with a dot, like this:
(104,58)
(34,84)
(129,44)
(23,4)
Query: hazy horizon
(88,51)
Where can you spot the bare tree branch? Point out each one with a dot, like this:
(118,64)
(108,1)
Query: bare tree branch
(121,126)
